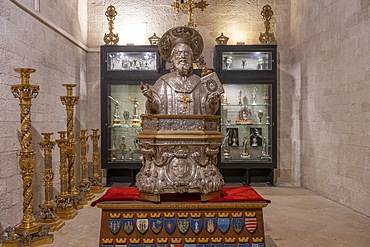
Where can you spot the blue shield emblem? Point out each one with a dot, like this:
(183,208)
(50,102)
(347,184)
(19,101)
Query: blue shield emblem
(203,245)
(114,225)
(258,245)
(162,245)
(169,225)
(134,245)
(148,245)
(216,245)
(230,245)
(237,224)
(183,225)
(156,225)
(190,245)
(107,245)
(223,224)
(128,225)
(142,225)
(210,224)
(243,245)
(196,225)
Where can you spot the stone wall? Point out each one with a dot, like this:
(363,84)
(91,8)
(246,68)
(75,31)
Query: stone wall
(25,41)
(330,65)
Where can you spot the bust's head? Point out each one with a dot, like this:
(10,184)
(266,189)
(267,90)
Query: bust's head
(180,35)
(181,58)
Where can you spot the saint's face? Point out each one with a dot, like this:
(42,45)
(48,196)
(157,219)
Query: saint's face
(182,58)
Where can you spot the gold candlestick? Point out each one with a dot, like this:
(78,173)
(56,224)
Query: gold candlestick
(96,179)
(47,214)
(84,184)
(64,201)
(70,101)
(267,37)
(25,92)
(189,6)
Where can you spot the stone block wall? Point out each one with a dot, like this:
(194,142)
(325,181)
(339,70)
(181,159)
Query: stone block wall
(25,41)
(331,110)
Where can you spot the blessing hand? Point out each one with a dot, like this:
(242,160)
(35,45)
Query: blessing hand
(147,92)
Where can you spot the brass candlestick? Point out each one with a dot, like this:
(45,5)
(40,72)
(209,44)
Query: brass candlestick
(84,184)
(25,92)
(267,37)
(70,101)
(48,214)
(189,6)
(111,38)
(64,201)
(95,180)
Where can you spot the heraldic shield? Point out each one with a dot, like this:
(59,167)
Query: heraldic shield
(114,225)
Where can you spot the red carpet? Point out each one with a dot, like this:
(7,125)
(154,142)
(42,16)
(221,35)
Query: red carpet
(228,194)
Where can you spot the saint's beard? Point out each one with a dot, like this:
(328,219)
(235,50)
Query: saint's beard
(183,68)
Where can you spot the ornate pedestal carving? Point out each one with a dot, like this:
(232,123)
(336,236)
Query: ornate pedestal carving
(179,155)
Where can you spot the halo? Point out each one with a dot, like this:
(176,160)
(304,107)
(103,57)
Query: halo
(177,35)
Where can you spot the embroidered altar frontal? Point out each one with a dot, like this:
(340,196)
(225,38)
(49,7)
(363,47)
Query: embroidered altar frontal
(145,224)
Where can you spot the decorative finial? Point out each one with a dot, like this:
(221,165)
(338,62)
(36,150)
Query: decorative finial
(154,39)
(222,39)
(111,38)
(267,14)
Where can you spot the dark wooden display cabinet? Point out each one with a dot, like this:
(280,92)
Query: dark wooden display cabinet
(248,109)
(123,69)
(248,112)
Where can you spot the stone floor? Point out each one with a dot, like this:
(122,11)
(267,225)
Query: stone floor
(296,217)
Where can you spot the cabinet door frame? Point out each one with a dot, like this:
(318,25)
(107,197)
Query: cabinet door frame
(229,76)
(121,77)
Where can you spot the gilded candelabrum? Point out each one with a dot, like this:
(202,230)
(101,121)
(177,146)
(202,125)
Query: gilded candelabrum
(48,214)
(111,38)
(64,201)
(84,184)
(25,92)
(95,180)
(267,36)
(70,101)
(189,6)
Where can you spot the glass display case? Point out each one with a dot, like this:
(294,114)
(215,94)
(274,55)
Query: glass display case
(123,69)
(248,112)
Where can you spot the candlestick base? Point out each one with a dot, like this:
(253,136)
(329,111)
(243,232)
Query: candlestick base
(97,189)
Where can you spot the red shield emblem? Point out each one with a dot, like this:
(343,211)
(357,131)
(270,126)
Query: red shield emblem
(251,224)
